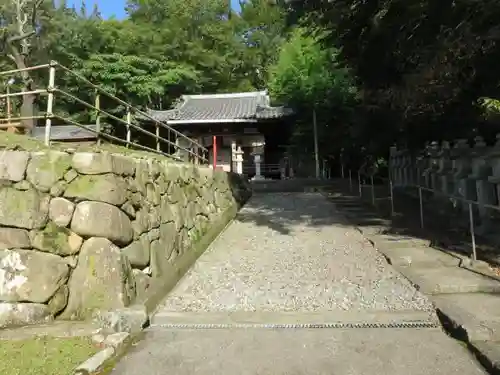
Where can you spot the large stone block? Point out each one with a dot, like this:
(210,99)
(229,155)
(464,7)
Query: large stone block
(138,251)
(56,240)
(165,249)
(61,211)
(166,212)
(92,163)
(176,194)
(123,165)
(142,222)
(45,169)
(59,300)
(172,172)
(142,281)
(23,209)
(98,219)
(21,314)
(154,217)
(12,238)
(168,238)
(100,163)
(153,194)
(102,280)
(160,262)
(13,165)
(107,188)
(28,275)
(178,213)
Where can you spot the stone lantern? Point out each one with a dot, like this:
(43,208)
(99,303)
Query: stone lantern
(405,167)
(392,163)
(485,191)
(494,179)
(444,167)
(463,188)
(430,172)
(422,162)
(494,157)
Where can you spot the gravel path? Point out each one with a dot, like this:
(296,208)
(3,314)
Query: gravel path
(292,252)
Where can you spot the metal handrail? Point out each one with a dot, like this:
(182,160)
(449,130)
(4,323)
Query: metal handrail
(27,69)
(195,149)
(112,137)
(136,110)
(470,203)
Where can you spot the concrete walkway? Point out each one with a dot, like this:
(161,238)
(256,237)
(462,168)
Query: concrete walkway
(292,262)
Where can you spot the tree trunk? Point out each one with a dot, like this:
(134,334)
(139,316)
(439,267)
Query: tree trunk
(20,49)
(28,100)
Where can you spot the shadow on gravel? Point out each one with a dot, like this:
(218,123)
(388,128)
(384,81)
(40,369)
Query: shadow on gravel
(442,229)
(282,212)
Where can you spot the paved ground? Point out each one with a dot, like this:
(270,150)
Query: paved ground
(293,258)
(302,352)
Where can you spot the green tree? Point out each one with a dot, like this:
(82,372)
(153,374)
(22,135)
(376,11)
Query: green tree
(309,77)
(262,31)
(18,27)
(422,64)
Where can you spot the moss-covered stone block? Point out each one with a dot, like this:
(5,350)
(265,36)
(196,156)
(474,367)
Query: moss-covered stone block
(56,240)
(102,280)
(46,168)
(108,188)
(23,209)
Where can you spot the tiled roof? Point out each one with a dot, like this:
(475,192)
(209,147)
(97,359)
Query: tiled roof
(66,132)
(240,106)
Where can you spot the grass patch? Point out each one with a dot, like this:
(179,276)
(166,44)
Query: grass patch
(44,355)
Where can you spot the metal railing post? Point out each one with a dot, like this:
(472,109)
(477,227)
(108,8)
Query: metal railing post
(472,234)
(49,115)
(98,117)
(50,101)
(342,170)
(9,108)
(373,190)
(129,121)
(157,137)
(391,196)
(214,152)
(421,207)
(169,150)
(350,180)
(359,185)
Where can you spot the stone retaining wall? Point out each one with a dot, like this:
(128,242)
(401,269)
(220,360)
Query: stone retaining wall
(86,232)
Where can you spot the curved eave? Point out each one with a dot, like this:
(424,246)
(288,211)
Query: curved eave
(175,116)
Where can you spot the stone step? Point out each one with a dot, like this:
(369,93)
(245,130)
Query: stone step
(474,314)
(443,280)
(352,209)
(333,319)
(388,241)
(488,353)
(425,257)
(370,228)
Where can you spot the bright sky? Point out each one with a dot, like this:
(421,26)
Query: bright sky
(116,8)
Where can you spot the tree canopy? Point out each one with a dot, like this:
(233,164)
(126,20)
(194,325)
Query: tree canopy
(427,68)
(307,77)
(163,49)
(377,72)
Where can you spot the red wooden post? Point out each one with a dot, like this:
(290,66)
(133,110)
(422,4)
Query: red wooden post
(215,151)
